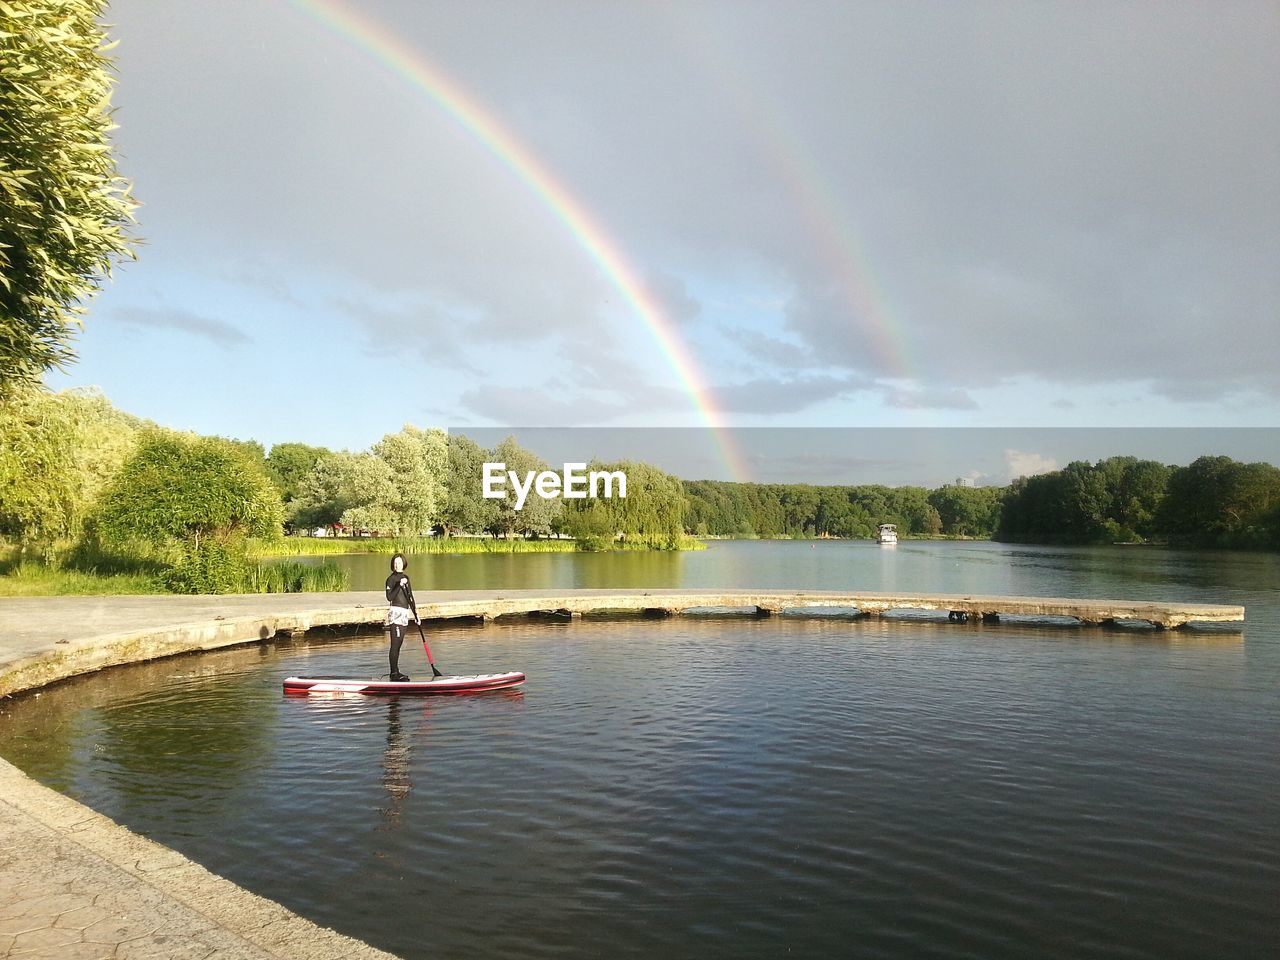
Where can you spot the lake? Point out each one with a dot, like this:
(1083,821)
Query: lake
(723,786)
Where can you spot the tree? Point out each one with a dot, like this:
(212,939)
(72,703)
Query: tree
(64,211)
(967,511)
(418,461)
(57,452)
(288,463)
(342,482)
(538,514)
(465,506)
(196,498)
(1220,501)
(652,512)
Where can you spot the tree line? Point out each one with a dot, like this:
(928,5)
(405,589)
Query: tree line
(74,470)
(719,508)
(80,479)
(1215,502)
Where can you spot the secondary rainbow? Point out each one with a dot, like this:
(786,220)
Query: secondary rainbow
(413,67)
(848,265)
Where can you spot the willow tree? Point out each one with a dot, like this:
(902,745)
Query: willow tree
(196,499)
(64,211)
(58,451)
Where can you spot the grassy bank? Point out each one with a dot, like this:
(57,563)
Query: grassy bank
(331,546)
(75,572)
(35,579)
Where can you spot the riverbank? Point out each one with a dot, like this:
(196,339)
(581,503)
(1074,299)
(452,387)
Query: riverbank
(462,545)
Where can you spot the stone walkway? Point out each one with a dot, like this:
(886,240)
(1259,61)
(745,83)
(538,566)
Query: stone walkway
(77,886)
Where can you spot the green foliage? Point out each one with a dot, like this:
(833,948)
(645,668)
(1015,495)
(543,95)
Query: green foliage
(417,461)
(342,483)
(64,212)
(329,546)
(538,515)
(57,452)
(180,488)
(288,463)
(968,511)
(652,512)
(798,510)
(294,577)
(196,499)
(32,578)
(1113,500)
(465,506)
(1217,501)
(212,565)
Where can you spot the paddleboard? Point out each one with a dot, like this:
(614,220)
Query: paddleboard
(474,684)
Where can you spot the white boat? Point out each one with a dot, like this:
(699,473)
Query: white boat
(887,533)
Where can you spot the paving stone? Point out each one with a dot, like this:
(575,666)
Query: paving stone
(81,917)
(48,939)
(164,947)
(119,929)
(78,951)
(28,889)
(53,906)
(16,925)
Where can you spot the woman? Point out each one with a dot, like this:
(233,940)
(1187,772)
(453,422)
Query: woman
(402,607)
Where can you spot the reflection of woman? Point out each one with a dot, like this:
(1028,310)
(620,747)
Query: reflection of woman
(402,607)
(395,763)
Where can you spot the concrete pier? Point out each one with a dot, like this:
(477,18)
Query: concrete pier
(73,884)
(43,639)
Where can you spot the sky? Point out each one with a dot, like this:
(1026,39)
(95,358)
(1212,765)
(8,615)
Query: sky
(1060,214)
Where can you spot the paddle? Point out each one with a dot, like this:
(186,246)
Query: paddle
(428,650)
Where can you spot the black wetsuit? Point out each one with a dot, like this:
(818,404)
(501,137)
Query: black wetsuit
(399,594)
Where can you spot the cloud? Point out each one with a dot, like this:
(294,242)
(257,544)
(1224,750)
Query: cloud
(1052,196)
(766,395)
(773,351)
(184,321)
(929,399)
(1019,463)
(673,294)
(546,405)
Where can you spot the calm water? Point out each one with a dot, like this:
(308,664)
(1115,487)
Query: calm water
(727,787)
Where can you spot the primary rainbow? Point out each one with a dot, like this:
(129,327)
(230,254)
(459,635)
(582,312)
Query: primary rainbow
(414,68)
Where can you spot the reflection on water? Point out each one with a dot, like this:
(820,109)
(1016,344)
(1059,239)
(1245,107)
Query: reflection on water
(736,787)
(938,567)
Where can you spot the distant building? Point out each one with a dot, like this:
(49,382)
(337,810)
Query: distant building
(964,482)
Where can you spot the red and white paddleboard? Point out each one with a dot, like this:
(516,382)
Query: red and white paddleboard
(475,684)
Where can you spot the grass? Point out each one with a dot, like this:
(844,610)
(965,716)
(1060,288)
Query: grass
(73,571)
(329,546)
(292,577)
(34,579)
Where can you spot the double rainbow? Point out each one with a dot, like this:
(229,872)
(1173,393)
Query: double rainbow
(411,66)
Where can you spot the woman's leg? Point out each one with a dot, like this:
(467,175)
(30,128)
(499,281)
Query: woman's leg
(397,639)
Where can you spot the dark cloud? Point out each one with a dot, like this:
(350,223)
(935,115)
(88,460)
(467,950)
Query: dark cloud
(945,196)
(183,321)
